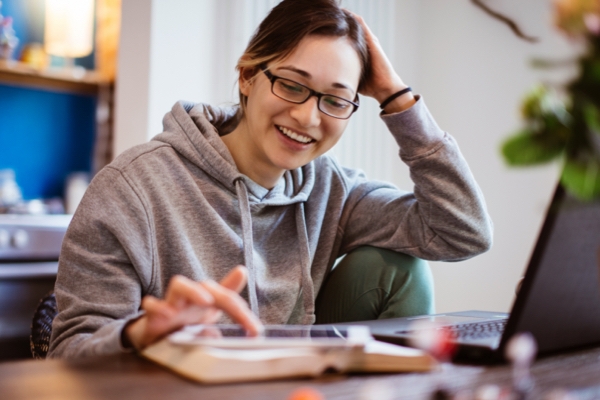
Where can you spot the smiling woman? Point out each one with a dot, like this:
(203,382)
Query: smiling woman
(292,133)
(251,185)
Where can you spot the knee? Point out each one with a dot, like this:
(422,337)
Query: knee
(390,265)
(408,280)
(371,283)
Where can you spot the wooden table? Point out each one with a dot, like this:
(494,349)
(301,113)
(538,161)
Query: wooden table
(130,377)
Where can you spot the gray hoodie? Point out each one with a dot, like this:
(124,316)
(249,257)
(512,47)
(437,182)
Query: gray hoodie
(179,205)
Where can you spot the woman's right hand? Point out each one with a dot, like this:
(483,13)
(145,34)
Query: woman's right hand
(188,302)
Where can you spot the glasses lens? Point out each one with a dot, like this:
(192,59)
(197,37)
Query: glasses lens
(296,93)
(336,106)
(290,90)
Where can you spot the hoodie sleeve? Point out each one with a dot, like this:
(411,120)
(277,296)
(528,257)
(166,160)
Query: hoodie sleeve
(445,218)
(98,289)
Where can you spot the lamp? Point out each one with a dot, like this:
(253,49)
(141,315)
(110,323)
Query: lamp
(69,29)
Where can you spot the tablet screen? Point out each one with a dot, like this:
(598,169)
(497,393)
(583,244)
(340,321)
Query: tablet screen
(274,335)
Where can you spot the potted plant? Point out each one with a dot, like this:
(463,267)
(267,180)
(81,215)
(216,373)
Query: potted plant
(564,125)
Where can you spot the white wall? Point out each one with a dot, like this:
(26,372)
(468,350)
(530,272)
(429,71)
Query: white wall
(181,55)
(132,87)
(471,70)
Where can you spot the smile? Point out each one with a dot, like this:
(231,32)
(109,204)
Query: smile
(294,135)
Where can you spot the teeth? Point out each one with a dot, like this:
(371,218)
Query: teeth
(294,135)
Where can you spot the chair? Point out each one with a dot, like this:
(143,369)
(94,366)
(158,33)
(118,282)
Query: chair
(41,326)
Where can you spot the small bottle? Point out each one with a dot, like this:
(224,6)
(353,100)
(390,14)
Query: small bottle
(8,39)
(10,192)
(77,184)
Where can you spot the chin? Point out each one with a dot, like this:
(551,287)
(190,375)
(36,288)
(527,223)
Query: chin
(291,167)
(288,166)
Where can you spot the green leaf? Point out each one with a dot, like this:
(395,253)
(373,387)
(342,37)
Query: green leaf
(592,117)
(582,178)
(532,103)
(595,70)
(545,63)
(543,102)
(528,148)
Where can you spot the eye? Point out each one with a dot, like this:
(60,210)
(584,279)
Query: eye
(335,102)
(290,87)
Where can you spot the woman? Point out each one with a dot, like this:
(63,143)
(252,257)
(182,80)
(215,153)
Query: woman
(251,185)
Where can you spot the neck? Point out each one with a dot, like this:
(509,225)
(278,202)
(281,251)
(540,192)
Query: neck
(247,157)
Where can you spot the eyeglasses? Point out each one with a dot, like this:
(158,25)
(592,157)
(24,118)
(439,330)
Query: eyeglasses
(294,92)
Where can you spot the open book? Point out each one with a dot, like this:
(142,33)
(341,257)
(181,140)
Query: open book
(221,353)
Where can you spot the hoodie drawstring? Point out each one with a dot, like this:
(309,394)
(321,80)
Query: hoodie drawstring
(308,300)
(242,193)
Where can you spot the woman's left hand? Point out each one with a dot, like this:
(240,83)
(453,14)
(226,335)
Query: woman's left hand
(383,81)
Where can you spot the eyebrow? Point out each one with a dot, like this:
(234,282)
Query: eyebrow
(306,75)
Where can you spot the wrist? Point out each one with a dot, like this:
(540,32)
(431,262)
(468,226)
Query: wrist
(398,101)
(387,87)
(394,96)
(132,333)
(382,95)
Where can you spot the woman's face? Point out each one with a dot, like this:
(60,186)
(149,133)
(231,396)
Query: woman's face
(284,136)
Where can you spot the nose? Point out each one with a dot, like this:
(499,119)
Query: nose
(307,114)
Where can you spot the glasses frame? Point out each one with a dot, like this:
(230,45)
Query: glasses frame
(272,78)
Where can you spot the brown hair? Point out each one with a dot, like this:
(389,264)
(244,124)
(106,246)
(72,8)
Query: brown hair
(291,21)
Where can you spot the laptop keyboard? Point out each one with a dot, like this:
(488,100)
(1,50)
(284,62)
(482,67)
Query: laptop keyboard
(474,330)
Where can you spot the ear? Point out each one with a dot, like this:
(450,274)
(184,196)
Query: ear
(246,80)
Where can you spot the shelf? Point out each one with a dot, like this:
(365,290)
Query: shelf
(20,74)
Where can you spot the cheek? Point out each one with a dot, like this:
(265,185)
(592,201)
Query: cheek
(336,129)
(262,105)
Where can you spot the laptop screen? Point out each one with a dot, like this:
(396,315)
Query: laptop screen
(559,302)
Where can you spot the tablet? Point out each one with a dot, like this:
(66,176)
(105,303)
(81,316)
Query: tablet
(274,336)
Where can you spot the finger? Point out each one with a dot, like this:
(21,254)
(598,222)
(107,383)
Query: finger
(372,40)
(183,291)
(160,319)
(236,307)
(236,279)
(194,314)
(211,332)
(157,308)
(362,23)
(212,315)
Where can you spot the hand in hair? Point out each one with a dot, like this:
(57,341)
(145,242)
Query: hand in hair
(188,302)
(383,81)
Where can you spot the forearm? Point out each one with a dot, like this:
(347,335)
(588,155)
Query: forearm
(445,218)
(69,345)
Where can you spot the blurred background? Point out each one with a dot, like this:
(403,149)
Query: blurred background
(67,113)
(471,70)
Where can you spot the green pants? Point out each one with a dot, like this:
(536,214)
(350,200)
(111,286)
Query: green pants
(372,283)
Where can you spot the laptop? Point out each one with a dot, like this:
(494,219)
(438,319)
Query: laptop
(558,301)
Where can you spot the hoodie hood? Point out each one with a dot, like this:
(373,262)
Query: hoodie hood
(194,131)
